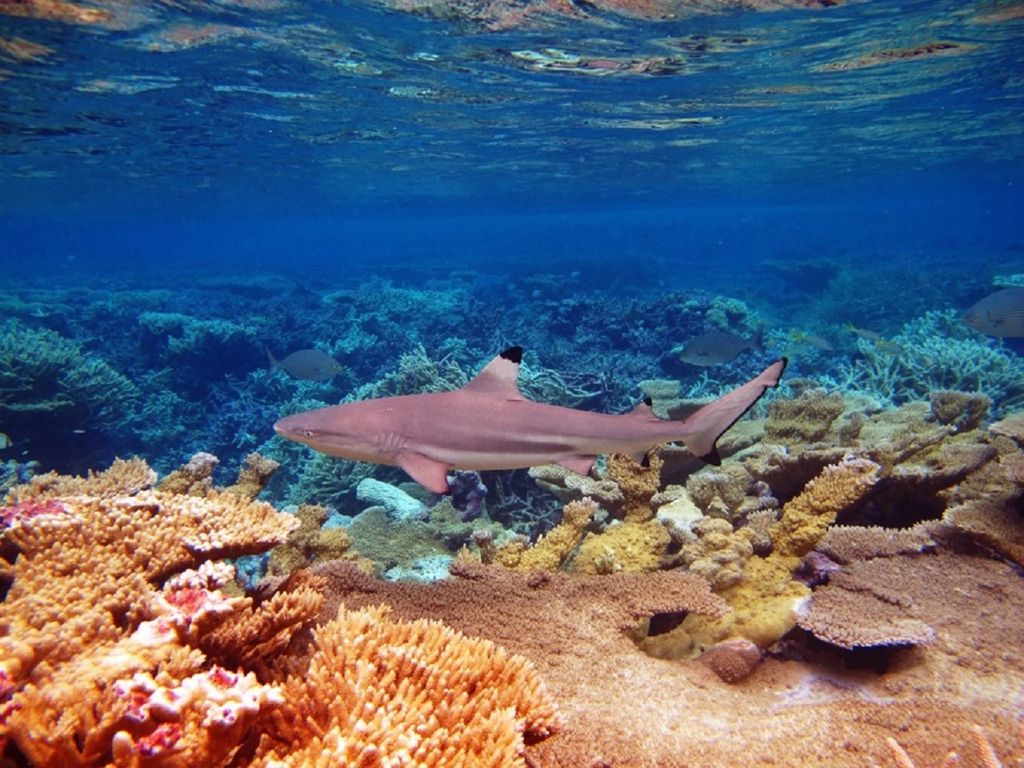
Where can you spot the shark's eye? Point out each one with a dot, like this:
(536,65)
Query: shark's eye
(309,433)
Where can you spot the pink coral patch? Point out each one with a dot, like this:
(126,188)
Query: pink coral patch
(26,510)
(162,739)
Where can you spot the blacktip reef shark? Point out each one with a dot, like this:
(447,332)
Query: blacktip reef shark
(488,424)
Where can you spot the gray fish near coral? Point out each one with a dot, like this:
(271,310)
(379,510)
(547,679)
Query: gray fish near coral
(999,314)
(307,364)
(718,347)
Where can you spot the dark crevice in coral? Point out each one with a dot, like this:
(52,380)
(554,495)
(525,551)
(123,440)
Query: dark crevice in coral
(660,623)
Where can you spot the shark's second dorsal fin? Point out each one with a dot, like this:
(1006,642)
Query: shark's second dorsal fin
(498,378)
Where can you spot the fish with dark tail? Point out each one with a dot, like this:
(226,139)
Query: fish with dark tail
(489,424)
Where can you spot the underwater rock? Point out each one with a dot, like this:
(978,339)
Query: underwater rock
(732,660)
(848,543)
(718,553)
(569,486)
(399,504)
(720,491)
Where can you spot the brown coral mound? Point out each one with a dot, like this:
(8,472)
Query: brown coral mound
(624,708)
(417,691)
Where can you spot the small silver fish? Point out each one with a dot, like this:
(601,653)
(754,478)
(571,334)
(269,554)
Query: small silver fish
(307,364)
(718,347)
(999,314)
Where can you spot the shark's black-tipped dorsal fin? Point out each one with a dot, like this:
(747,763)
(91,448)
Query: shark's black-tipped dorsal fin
(499,377)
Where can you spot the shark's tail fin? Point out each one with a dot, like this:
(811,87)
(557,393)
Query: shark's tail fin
(708,424)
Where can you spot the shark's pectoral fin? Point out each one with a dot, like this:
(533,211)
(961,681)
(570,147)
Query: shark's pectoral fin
(431,474)
(579,464)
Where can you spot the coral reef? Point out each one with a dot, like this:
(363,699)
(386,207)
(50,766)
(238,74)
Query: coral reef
(928,697)
(91,643)
(764,601)
(936,352)
(120,645)
(554,548)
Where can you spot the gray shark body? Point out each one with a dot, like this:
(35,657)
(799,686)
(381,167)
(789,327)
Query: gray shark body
(488,424)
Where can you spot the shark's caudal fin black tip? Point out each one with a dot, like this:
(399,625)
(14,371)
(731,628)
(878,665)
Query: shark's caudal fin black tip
(513,354)
(712,458)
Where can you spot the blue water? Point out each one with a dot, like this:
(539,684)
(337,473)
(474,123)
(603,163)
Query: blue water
(165,156)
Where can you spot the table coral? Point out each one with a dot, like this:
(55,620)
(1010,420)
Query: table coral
(803,419)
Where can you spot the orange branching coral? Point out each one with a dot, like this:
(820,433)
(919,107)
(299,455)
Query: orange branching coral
(88,642)
(125,477)
(417,692)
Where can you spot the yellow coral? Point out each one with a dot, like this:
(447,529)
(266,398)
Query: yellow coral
(765,600)
(552,549)
(631,547)
(253,476)
(309,542)
(638,484)
(417,691)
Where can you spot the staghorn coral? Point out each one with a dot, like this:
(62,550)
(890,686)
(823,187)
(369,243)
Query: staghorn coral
(936,351)
(553,549)
(417,691)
